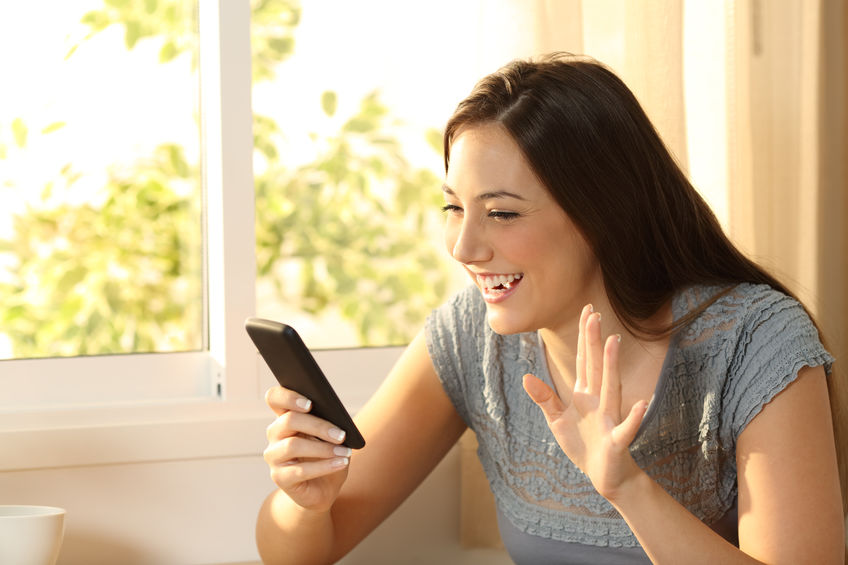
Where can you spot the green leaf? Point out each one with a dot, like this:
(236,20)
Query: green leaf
(50,128)
(14,313)
(168,52)
(329,102)
(132,34)
(178,161)
(71,51)
(281,46)
(71,278)
(47,191)
(360,124)
(96,20)
(19,130)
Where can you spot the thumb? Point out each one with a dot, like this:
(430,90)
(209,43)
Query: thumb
(624,433)
(544,396)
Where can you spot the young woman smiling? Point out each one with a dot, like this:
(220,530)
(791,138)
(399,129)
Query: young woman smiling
(640,391)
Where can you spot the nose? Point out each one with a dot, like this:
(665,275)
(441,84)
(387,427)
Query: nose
(467,242)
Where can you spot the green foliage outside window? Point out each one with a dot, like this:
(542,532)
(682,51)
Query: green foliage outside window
(123,274)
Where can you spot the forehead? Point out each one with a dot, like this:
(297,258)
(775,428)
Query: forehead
(486,159)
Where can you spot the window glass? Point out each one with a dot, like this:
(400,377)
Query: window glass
(100,183)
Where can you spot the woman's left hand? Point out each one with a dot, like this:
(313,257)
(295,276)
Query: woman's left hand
(590,429)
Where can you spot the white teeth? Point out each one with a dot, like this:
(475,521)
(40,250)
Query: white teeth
(492,281)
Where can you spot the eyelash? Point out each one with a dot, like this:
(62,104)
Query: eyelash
(496,214)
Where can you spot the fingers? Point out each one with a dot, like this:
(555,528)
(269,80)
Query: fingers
(594,353)
(294,474)
(291,423)
(580,383)
(297,436)
(281,399)
(544,396)
(302,447)
(610,401)
(298,448)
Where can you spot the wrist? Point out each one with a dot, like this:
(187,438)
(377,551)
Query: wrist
(632,490)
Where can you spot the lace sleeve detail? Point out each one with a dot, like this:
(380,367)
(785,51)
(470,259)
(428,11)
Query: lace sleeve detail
(776,340)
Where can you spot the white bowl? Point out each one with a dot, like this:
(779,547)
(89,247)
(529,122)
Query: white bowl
(31,535)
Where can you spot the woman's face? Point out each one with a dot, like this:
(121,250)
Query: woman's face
(529,261)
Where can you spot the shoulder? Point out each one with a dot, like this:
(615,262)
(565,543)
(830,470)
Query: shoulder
(746,311)
(756,340)
(770,325)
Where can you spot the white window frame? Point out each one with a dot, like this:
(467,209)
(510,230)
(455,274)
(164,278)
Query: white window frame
(177,406)
(123,408)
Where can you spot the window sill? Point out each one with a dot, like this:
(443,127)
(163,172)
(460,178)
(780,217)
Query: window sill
(132,434)
(171,431)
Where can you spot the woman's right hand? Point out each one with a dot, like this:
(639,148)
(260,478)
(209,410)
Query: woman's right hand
(304,453)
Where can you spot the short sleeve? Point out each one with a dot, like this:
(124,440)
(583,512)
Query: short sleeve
(777,339)
(451,332)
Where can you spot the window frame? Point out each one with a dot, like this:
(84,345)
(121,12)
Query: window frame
(178,406)
(73,411)
(229,259)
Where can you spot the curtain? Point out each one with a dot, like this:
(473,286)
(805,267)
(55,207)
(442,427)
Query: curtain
(788,189)
(750,97)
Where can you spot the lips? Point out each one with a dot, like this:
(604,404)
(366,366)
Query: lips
(498,287)
(495,282)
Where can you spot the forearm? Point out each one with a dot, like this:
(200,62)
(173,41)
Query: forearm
(288,534)
(668,532)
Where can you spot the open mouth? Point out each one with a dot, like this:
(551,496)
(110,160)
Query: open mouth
(493,284)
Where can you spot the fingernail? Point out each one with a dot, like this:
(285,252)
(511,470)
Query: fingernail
(339,462)
(303,403)
(591,308)
(336,434)
(342,451)
(618,337)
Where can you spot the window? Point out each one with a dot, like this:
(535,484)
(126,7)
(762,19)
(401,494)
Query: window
(100,153)
(100,226)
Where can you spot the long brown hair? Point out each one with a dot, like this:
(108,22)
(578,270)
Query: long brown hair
(589,141)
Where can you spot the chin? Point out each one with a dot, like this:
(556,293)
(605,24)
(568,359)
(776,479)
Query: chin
(503,325)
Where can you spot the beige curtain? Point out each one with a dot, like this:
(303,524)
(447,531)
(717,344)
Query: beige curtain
(773,166)
(787,190)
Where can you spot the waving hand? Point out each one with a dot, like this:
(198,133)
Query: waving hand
(590,428)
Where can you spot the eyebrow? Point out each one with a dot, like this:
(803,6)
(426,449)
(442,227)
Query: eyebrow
(488,195)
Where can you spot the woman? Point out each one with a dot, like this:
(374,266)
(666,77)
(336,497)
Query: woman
(675,396)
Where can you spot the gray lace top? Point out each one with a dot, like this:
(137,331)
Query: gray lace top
(720,370)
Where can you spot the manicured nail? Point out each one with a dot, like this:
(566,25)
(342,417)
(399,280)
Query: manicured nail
(342,451)
(339,462)
(591,308)
(618,338)
(336,434)
(303,403)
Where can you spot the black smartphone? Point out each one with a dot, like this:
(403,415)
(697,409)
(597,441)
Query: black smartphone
(296,369)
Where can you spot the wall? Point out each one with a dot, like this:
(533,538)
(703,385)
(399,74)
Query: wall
(202,511)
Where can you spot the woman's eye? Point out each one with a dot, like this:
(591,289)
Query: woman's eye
(502,215)
(451,209)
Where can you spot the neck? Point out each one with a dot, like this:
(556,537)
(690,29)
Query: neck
(561,343)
